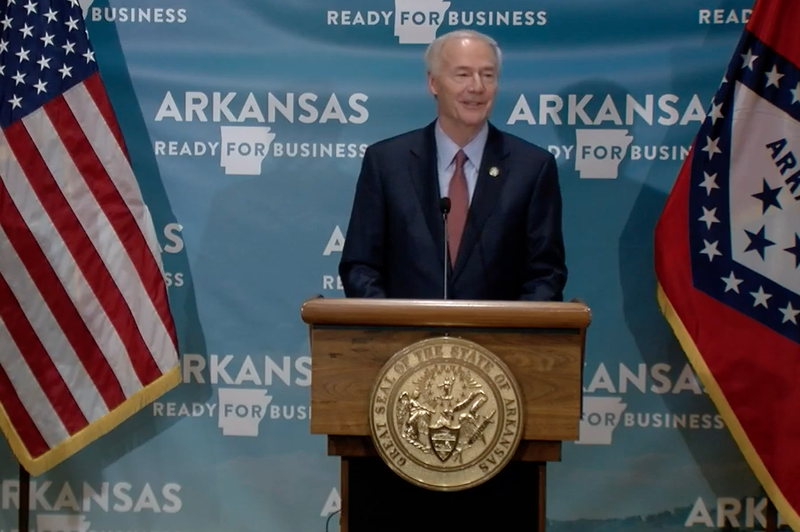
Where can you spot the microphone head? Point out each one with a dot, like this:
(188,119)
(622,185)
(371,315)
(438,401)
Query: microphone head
(444,205)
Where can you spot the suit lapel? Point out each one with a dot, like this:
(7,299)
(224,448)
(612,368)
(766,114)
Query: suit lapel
(423,170)
(487,191)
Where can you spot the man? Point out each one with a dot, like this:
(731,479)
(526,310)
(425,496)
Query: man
(504,225)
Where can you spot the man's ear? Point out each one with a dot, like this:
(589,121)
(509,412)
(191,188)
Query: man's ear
(432,86)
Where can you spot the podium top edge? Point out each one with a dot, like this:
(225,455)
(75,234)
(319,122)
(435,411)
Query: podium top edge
(446,313)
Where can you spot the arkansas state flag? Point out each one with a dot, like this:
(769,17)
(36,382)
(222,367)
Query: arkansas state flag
(727,251)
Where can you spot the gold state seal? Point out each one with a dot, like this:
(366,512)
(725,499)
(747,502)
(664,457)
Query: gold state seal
(446,414)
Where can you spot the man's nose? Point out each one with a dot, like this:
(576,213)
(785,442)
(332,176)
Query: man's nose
(476,83)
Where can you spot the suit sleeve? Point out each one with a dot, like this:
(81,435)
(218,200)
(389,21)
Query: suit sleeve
(362,263)
(545,267)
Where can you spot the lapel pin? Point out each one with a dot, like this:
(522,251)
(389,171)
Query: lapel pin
(494,172)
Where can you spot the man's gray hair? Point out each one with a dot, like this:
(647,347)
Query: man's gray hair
(433,53)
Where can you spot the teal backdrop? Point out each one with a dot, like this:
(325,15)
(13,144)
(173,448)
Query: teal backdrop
(246,121)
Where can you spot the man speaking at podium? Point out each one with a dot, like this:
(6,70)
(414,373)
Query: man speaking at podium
(457,209)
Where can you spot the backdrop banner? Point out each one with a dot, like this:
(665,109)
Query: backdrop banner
(246,122)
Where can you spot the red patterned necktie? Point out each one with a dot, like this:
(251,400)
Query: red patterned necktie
(459,205)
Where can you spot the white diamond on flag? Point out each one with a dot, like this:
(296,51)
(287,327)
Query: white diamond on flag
(764,181)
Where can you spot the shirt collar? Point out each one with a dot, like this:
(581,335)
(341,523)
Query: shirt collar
(447,149)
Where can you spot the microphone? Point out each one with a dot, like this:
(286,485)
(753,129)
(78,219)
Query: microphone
(444,207)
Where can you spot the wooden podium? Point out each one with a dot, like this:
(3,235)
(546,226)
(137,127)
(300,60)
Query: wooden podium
(542,343)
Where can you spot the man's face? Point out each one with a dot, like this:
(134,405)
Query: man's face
(465,83)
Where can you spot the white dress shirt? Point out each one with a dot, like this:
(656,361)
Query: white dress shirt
(446,151)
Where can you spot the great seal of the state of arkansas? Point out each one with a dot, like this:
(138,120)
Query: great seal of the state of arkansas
(446,414)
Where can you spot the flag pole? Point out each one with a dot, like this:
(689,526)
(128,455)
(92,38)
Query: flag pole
(772,517)
(24,499)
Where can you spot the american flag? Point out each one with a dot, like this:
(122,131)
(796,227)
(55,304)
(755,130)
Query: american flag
(728,251)
(86,334)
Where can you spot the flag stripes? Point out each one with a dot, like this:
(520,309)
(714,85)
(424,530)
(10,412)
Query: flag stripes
(86,333)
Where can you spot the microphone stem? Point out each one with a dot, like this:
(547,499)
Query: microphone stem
(446,258)
(444,208)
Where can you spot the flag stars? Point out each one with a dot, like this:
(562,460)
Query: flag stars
(69,47)
(27,31)
(19,77)
(3,45)
(72,24)
(711,147)
(43,63)
(30,7)
(51,15)
(773,76)
(15,102)
(89,55)
(760,297)
(709,182)
(795,93)
(795,250)
(6,22)
(47,39)
(768,197)
(732,283)
(789,313)
(40,87)
(758,242)
(711,250)
(715,113)
(22,54)
(748,59)
(65,71)
(709,217)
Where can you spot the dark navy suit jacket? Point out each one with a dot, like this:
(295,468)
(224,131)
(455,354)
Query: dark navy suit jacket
(512,247)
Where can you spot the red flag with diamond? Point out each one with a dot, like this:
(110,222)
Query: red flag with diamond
(727,251)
